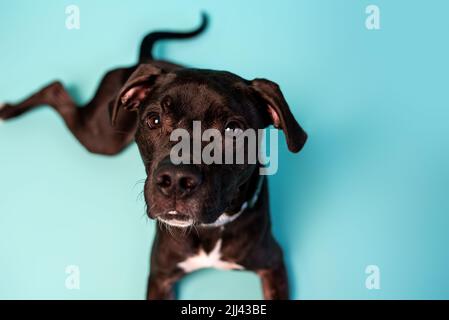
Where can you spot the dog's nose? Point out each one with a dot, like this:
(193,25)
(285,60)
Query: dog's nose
(179,180)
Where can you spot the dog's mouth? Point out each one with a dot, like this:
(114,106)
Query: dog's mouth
(176,219)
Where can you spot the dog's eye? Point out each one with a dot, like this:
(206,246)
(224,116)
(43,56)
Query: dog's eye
(233,127)
(153,121)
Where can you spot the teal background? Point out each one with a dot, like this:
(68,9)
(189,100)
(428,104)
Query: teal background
(370,187)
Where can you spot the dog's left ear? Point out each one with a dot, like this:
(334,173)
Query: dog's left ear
(279,113)
(136,89)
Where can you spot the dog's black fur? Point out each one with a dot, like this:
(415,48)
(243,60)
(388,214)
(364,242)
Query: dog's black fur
(146,103)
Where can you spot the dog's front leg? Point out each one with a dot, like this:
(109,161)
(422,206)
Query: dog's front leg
(274,282)
(161,286)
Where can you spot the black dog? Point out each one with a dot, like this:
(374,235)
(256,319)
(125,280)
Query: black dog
(226,205)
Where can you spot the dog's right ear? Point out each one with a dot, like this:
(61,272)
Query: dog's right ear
(136,89)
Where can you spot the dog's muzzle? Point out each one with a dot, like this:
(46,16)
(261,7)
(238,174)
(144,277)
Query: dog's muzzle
(176,219)
(180,181)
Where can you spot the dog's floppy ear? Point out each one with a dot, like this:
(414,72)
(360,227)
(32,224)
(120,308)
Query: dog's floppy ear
(279,113)
(136,90)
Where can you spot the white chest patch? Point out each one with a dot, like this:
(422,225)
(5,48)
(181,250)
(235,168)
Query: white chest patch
(207,260)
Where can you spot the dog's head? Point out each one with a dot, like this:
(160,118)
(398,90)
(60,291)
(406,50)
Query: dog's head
(186,194)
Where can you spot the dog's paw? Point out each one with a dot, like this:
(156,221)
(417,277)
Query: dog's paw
(2,105)
(6,111)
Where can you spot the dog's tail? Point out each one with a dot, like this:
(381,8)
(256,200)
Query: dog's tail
(148,42)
